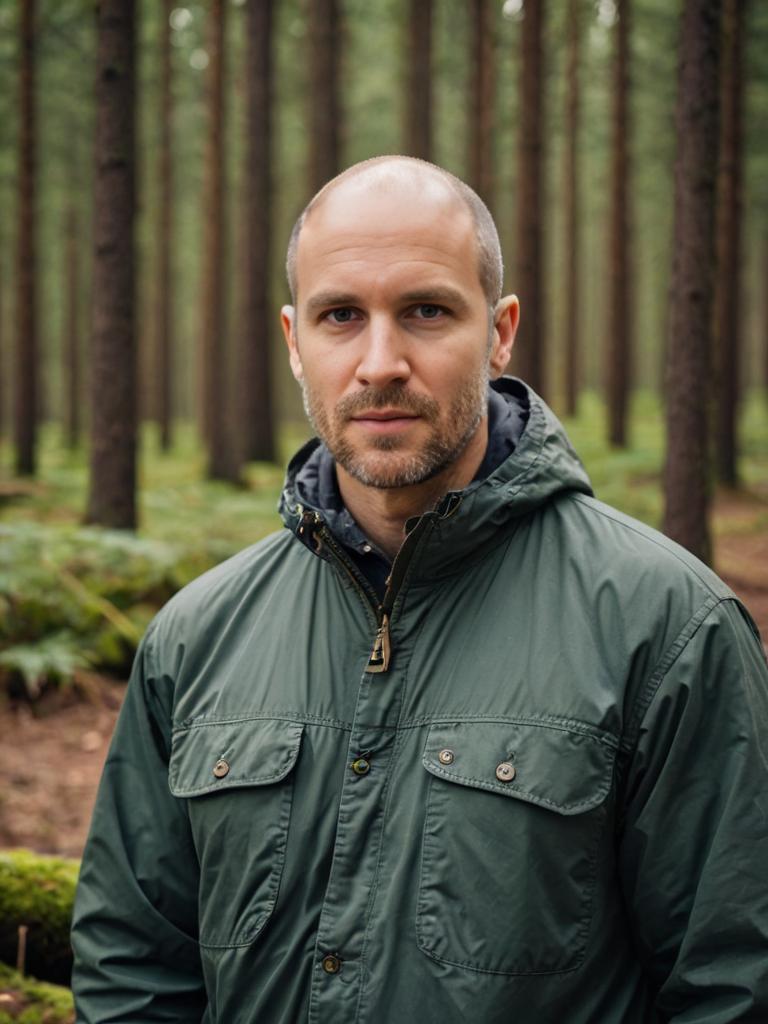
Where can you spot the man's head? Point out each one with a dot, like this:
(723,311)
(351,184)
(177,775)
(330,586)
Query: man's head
(395,272)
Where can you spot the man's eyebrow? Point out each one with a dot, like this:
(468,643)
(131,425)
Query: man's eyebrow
(440,295)
(324,300)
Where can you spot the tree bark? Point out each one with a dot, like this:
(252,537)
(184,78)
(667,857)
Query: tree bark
(71,350)
(223,458)
(418,98)
(619,340)
(324,99)
(571,315)
(530,358)
(689,342)
(165,291)
(257,413)
(729,255)
(26,376)
(112,498)
(482,100)
(2,346)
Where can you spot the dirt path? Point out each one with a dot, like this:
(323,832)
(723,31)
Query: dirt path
(51,760)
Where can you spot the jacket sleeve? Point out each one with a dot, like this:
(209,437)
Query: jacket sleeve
(135,920)
(693,854)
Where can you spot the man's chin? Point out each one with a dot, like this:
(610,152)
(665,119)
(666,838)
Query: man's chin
(389,470)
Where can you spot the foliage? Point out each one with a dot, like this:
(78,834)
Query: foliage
(33,1002)
(38,892)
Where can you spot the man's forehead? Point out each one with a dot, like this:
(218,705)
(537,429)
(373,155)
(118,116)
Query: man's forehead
(359,217)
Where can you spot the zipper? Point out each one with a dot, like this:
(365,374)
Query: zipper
(312,523)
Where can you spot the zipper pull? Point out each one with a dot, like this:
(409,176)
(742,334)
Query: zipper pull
(379,659)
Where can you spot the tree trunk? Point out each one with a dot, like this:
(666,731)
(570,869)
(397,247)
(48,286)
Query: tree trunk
(764,332)
(165,293)
(571,315)
(223,459)
(112,499)
(324,99)
(418,99)
(25,412)
(619,341)
(530,361)
(728,287)
(71,352)
(482,100)
(2,347)
(257,414)
(689,342)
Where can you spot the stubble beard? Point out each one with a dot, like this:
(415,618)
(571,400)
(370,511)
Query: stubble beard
(378,464)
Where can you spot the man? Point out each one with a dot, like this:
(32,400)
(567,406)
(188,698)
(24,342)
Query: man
(460,745)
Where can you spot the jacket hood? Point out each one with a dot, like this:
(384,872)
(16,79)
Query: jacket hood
(542,466)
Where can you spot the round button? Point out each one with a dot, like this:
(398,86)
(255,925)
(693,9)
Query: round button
(361,766)
(331,964)
(367,549)
(505,772)
(221,768)
(445,757)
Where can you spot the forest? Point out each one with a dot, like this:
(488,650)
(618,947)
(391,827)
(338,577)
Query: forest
(153,159)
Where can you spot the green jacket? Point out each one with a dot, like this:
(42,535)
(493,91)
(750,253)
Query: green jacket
(529,788)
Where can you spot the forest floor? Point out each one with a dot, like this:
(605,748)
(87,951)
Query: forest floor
(52,765)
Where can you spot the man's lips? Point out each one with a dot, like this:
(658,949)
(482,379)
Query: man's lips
(385,414)
(383,420)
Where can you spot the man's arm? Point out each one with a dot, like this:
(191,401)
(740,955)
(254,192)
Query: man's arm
(135,922)
(693,856)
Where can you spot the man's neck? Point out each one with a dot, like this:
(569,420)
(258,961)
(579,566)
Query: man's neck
(381,513)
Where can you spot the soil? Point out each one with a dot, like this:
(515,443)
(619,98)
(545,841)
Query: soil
(53,751)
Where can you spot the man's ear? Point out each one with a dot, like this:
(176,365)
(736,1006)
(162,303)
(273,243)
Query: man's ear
(288,323)
(506,317)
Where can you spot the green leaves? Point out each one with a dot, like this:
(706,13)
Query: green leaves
(75,598)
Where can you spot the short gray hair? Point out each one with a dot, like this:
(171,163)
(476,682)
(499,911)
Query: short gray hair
(490,265)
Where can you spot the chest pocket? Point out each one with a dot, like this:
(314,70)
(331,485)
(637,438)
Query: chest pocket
(238,780)
(515,814)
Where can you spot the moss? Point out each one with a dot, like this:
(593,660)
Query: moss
(34,1002)
(38,892)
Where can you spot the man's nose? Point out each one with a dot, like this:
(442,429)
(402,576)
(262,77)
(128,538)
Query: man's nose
(384,358)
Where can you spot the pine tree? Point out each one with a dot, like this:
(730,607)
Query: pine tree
(324,99)
(255,363)
(418,97)
(619,338)
(571,317)
(686,473)
(530,356)
(112,493)
(26,376)
(728,342)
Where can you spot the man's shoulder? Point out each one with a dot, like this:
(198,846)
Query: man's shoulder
(214,594)
(621,547)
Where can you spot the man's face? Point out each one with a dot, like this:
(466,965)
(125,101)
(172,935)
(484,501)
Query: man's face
(392,339)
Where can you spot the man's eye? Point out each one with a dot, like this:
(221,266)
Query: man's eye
(427,311)
(343,315)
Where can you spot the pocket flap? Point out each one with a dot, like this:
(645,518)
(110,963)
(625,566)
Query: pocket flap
(564,768)
(207,757)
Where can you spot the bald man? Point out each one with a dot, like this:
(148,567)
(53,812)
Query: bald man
(461,744)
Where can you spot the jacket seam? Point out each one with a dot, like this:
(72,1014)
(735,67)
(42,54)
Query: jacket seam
(283,715)
(647,693)
(539,721)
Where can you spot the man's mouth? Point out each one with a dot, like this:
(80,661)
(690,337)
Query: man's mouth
(383,420)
